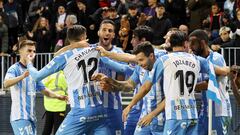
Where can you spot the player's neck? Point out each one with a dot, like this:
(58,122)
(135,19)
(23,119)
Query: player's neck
(23,62)
(206,52)
(178,49)
(108,47)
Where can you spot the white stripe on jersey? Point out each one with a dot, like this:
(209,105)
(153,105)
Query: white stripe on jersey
(97,97)
(24,85)
(188,110)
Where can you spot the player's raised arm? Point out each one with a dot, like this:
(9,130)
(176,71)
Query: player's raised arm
(124,57)
(80,44)
(118,67)
(56,64)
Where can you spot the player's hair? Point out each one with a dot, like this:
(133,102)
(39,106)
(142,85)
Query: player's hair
(144,32)
(107,21)
(145,47)
(177,39)
(200,34)
(76,32)
(24,43)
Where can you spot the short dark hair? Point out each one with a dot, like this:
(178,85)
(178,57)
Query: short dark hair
(24,43)
(145,47)
(200,34)
(144,32)
(107,21)
(74,33)
(177,39)
(160,5)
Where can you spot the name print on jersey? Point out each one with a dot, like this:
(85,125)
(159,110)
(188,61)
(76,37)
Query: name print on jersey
(184,62)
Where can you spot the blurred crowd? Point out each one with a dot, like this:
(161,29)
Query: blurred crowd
(46,21)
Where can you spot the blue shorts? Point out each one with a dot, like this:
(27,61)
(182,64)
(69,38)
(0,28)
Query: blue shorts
(180,127)
(132,120)
(24,127)
(85,121)
(221,125)
(202,125)
(152,129)
(114,121)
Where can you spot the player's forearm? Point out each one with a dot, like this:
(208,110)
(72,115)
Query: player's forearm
(38,75)
(159,109)
(145,88)
(10,82)
(64,49)
(124,57)
(122,85)
(235,91)
(201,86)
(118,67)
(222,70)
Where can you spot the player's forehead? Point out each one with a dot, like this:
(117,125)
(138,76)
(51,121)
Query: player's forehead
(106,26)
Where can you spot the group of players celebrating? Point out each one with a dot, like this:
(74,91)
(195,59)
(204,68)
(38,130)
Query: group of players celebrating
(164,85)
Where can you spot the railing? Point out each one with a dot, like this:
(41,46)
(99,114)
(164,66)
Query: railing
(231,55)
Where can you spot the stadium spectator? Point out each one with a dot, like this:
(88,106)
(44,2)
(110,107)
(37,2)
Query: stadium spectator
(61,35)
(176,10)
(214,20)
(184,28)
(199,10)
(42,35)
(150,11)
(160,24)
(15,19)
(3,37)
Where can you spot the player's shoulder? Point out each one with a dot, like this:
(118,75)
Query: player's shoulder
(15,66)
(159,52)
(217,58)
(217,55)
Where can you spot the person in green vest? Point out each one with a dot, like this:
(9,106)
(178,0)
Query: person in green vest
(55,109)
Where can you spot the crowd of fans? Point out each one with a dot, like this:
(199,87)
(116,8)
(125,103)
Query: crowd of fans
(46,21)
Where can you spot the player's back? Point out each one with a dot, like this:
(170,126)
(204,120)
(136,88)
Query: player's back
(180,73)
(80,65)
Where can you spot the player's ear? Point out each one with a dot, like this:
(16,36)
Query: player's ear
(98,33)
(151,56)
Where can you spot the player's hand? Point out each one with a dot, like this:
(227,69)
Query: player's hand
(125,113)
(146,120)
(25,74)
(30,58)
(102,51)
(98,77)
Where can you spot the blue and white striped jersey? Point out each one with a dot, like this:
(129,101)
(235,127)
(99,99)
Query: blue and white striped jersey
(111,100)
(179,71)
(154,96)
(23,94)
(78,66)
(223,109)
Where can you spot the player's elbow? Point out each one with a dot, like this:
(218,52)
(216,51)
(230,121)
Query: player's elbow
(6,84)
